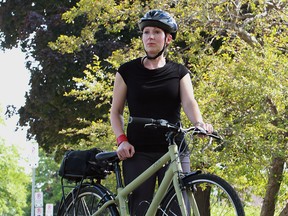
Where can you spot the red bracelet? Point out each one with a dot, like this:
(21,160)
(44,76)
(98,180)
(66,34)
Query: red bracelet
(121,139)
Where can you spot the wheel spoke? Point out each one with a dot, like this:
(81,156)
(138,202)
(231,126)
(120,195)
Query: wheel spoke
(85,207)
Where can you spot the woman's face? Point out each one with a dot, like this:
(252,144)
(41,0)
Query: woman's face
(153,39)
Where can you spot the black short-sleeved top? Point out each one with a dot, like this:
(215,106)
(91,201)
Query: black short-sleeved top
(152,94)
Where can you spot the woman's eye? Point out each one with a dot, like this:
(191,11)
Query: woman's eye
(154,32)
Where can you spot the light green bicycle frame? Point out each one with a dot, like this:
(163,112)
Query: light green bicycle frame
(171,175)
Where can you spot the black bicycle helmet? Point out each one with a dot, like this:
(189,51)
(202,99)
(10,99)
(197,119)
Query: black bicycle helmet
(160,19)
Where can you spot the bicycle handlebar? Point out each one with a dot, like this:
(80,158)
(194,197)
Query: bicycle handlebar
(140,120)
(172,127)
(156,123)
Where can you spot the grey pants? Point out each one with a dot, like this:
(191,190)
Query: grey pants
(140,198)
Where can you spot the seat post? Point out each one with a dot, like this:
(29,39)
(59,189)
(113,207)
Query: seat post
(117,171)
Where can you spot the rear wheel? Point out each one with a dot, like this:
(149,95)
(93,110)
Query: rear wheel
(88,201)
(213,196)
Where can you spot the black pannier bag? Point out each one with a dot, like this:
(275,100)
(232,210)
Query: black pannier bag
(80,164)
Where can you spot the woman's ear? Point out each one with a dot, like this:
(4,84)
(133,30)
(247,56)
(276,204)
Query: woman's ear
(168,38)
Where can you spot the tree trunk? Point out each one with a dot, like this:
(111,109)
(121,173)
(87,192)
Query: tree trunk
(203,200)
(274,181)
(284,212)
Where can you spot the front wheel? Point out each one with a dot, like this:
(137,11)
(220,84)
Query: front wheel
(204,195)
(89,200)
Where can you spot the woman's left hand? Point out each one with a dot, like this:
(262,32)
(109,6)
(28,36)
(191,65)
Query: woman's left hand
(206,126)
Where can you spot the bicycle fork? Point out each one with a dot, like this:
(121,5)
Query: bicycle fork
(190,199)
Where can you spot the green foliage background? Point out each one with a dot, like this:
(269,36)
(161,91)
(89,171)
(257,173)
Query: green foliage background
(13,180)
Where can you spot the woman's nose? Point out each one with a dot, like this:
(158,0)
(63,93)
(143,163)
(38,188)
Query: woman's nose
(151,35)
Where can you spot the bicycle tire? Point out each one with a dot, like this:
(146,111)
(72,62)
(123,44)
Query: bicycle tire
(88,201)
(213,195)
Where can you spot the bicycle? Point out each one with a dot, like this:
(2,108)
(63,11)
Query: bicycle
(179,193)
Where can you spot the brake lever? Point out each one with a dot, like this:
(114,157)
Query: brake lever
(200,130)
(215,135)
(151,125)
(158,123)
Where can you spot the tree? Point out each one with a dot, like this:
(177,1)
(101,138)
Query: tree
(263,111)
(46,110)
(13,181)
(245,85)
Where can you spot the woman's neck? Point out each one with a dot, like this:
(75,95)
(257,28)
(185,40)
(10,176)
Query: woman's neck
(154,63)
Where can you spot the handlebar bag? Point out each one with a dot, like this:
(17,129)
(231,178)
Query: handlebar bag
(80,164)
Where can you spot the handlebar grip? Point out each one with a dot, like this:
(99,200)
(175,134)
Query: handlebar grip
(215,135)
(140,120)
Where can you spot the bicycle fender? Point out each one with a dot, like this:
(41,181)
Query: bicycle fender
(187,178)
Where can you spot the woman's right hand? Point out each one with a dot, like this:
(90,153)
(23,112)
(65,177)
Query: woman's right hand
(125,150)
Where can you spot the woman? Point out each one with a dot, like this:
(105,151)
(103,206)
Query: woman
(153,87)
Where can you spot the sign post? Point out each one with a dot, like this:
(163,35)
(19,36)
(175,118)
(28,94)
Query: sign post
(33,192)
(33,163)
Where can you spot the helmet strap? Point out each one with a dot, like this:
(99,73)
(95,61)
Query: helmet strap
(156,56)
